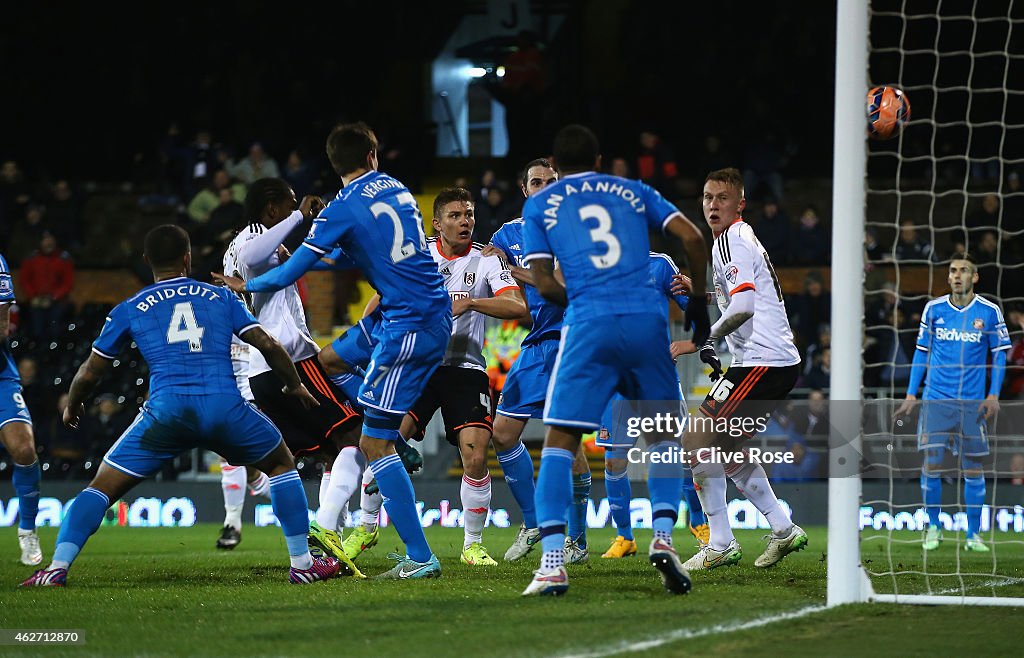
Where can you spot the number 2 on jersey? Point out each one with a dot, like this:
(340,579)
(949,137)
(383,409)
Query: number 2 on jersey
(602,234)
(399,249)
(183,327)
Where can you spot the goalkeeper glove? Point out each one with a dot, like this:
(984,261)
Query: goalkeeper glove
(697,317)
(709,356)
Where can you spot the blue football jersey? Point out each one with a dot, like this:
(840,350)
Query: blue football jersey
(958,342)
(662,270)
(8,370)
(183,329)
(376,221)
(547,317)
(596,226)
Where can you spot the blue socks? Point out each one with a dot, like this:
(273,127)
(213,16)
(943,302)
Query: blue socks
(26,485)
(931,492)
(665,487)
(400,502)
(578,512)
(974,499)
(83,518)
(291,508)
(620,496)
(517,465)
(554,495)
(697,516)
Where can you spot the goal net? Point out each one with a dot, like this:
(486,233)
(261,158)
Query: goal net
(948,184)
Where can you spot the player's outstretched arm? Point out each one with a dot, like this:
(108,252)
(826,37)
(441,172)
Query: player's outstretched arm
(278,278)
(88,376)
(509,305)
(280,363)
(547,285)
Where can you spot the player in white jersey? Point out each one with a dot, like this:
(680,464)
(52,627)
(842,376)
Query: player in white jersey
(478,285)
(764,369)
(331,430)
(234,480)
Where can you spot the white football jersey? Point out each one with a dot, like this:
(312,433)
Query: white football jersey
(470,276)
(239,349)
(741,263)
(280,313)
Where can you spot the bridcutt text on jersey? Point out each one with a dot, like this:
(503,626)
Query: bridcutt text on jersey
(742,264)
(251,253)
(470,275)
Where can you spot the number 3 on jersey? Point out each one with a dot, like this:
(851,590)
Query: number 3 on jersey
(399,249)
(602,234)
(183,327)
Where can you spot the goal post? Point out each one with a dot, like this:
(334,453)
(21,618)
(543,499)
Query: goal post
(944,55)
(845,579)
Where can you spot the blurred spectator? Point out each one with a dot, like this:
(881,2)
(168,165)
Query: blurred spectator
(209,197)
(986,256)
(813,352)
(1013,208)
(66,447)
(985,217)
(620,168)
(33,390)
(773,231)
(104,424)
(873,251)
(255,166)
(1013,387)
(299,174)
(488,181)
(491,213)
(27,233)
(821,372)
(62,215)
(714,157)
(762,166)
(1017,469)
(13,197)
(808,423)
(811,240)
(47,278)
(810,310)
(656,163)
(197,161)
(910,246)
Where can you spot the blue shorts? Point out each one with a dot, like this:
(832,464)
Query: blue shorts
(526,385)
(169,425)
(628,354)
(615,417)
(355,347)
(959,420)
(401,364)
(12,404)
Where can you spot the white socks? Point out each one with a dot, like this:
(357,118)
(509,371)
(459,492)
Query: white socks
(232,483)
(476,499)
(370,504)
(709,480)
(342,483)
(753,483)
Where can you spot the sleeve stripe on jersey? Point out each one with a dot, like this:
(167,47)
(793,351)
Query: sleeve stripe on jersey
(668,219)
(743,287)
(922,348)
(103,354)
(313,247)
(1001,348)
(498,292)
(538,255)
(247,327)
(723,247)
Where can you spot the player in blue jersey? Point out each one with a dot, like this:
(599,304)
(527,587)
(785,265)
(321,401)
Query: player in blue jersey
(611,436)
(184,329)
(614,337)
(526,385)
(962,336)
(16,432)
(375,220)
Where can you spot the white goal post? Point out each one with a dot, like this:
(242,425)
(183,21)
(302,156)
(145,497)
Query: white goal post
(848,579)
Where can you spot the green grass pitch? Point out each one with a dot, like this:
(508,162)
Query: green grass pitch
(169,592)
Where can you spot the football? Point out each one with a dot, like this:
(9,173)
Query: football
(888,110)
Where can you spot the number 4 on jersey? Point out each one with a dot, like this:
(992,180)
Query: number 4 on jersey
(183,327)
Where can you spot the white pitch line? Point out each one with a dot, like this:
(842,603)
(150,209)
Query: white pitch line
(687,634)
